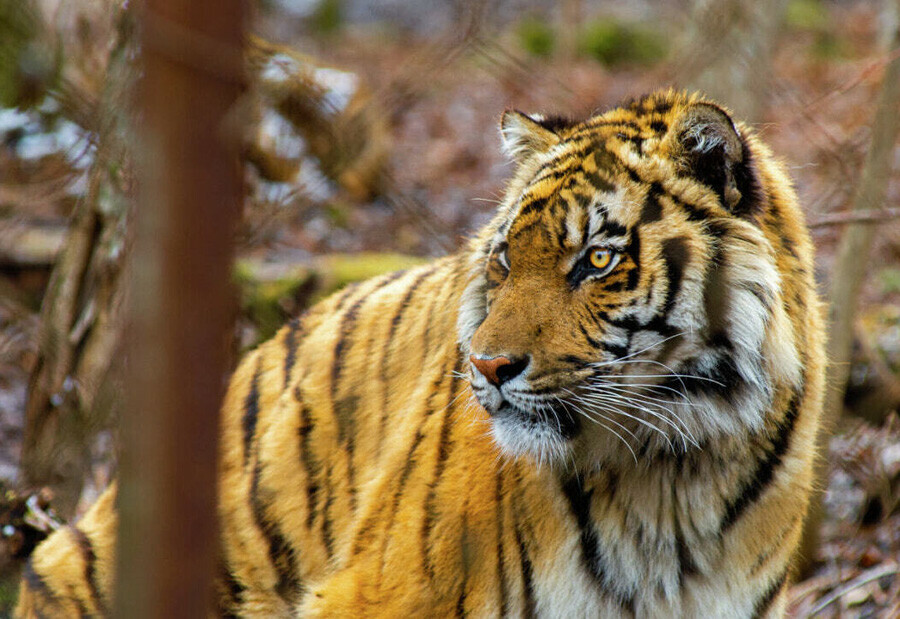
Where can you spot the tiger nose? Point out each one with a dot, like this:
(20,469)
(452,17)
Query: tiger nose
(498,369)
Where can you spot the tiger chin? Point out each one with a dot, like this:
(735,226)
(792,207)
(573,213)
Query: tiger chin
(605,405)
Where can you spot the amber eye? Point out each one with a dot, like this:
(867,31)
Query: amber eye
(600,258)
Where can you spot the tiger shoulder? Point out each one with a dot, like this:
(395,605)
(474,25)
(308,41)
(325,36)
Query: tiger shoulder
(605,404)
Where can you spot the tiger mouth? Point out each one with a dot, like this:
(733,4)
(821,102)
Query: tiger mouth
(553,417)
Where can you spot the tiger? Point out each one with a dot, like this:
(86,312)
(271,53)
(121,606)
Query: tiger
(605,404)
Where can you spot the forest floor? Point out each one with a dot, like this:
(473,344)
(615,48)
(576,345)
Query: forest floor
(443,97)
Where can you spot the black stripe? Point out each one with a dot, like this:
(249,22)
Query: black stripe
(535,204)
(527,572)
(394,503)
(636,140)
(90,565)
(591,553)
(444,446)
(348,323)
(560,225)
(764,603)
(327,534)
(617,352)
(753,487)
(232,591)
(344,410)
(436,297)
(634,252)
(501,560)
(595,344)
(753,197)
(722,380)
(575,360)
(598,182)
(281,553)
(409,463)
(593,126)
(251,409)
(290,346)
(345,295)
(461,601)
(676,254)
(556,169)
(694,212)
(614,228)
(344,414)
(686,564)
(36,583)
(614,286)
(307,460)
(466,558)
(652,209)
(389,343)
(580,503)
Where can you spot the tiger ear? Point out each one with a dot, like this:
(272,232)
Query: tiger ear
(714,151)
(524,135)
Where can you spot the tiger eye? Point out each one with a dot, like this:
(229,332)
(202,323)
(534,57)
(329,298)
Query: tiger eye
(600,258)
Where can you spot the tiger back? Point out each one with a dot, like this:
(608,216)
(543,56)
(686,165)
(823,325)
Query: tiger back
(606,404)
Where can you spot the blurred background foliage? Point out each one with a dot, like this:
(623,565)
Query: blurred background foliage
(368,133)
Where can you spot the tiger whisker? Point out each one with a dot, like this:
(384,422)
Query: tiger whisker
(625,391)
(586,414)
(637,406)
(608,429)
(649,386)
(669,375)
(651,406)
(654,410)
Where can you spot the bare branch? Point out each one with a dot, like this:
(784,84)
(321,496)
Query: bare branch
(851,217)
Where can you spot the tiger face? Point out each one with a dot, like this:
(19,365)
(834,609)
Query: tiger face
(626,298)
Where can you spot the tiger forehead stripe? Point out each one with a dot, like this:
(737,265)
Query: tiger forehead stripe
(578,183)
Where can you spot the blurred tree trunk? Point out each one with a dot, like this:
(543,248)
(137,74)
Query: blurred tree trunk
(181,306)
(726,52)
(570,22)
(80,316)
(848,276)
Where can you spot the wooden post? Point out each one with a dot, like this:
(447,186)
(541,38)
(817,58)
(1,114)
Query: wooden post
(181,298)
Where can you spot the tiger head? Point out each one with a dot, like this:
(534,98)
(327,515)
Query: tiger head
(626,298)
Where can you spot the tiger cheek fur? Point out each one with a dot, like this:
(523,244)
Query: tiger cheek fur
(605,405)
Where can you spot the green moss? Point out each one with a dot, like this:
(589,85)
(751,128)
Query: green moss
(269,297)
(270,294)
(338,270)
(811,16)
(338,214)
(613,43)
(9,591)
(806,15)
(829,46)
(328,17)
(890,280)
(29,68)
(536,36)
